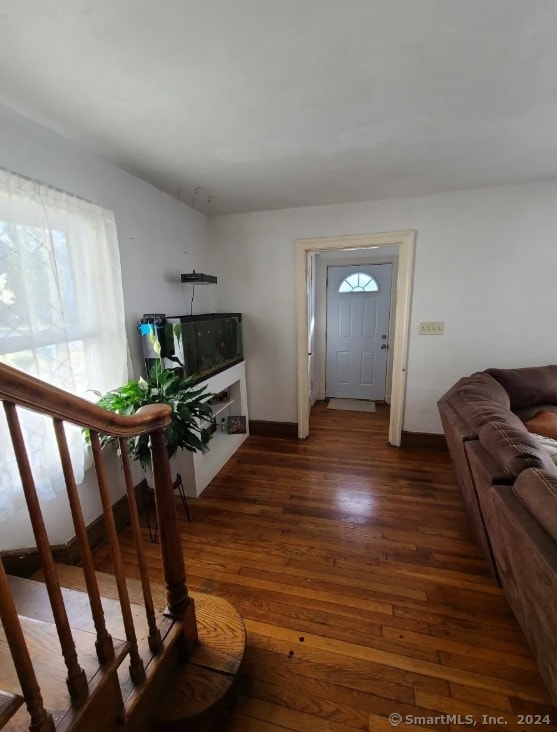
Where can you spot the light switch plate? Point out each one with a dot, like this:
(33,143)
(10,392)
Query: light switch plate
(432,328)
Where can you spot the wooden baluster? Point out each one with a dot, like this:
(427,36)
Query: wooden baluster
(155,641)
(171,549)
(137,670)
(76,681)
(41,721)
(103,644)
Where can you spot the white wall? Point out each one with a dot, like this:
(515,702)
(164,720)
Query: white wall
(485,264)
(154,231)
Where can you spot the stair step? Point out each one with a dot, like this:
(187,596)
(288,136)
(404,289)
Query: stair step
(46,655)
(200,689)
(72,581)
(31,599)
(203,690)
(220,646)
(9,704)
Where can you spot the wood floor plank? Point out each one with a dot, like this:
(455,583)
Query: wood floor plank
(378,723)
(481,697)
(256,602)
(508,719)
(364,605)
(441,576)
(470,650)
(302,681)
(337,583)
(292,718)
(245,723)
(526,690)
(326,700)
(362,588)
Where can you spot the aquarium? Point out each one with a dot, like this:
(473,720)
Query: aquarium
(202,345)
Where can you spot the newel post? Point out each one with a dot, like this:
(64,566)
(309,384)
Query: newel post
(180,604)
(171,549)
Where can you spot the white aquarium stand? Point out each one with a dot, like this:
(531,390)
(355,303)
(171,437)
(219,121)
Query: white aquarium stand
(198,469)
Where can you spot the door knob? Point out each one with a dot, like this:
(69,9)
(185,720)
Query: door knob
(383,346)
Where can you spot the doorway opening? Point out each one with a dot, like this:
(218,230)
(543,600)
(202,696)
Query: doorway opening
(312,258)
(358,308)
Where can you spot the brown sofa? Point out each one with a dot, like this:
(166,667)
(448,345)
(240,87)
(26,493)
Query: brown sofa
(508,484)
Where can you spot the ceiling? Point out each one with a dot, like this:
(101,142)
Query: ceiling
(245,105)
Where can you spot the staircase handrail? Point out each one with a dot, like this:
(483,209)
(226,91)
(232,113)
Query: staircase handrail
(21,389)
(32,393)
(18,389)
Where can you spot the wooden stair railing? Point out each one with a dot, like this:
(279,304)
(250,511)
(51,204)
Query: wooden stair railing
(21,390)
(40,719)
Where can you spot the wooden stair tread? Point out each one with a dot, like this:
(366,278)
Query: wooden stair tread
(46,655)
(31,600)
(9,704)
(102,708)
(222,634)
(204,687)
(205,684)
(220,646)
(72,578)
(73,588)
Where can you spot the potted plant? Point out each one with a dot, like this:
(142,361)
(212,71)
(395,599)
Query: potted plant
(190,409)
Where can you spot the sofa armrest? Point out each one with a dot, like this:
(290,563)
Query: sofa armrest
(527,564)
(485,472)
(537,491)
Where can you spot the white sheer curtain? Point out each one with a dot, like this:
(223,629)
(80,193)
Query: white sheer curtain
(61,316)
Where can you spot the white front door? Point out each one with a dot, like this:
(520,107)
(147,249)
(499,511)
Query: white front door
(358,307)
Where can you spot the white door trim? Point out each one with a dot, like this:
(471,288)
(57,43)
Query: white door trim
(405,240)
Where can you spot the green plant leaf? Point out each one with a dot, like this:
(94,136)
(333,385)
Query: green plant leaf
(189,405)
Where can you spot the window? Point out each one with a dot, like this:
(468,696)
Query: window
(359,282)
(61,315)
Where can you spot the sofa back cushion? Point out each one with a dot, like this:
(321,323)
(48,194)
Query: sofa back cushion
(528,386)
(514,448)
(537,491)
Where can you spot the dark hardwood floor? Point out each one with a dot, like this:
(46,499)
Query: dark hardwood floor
(361,587)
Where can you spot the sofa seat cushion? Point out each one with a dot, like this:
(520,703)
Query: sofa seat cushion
(528,386)
(537,491)
(514,448)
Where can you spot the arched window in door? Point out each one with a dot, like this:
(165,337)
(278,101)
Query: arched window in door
(358,282)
